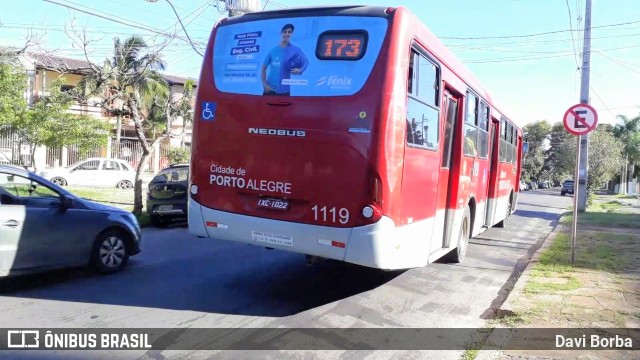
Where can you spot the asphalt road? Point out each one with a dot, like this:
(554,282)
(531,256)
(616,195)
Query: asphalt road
(183,281)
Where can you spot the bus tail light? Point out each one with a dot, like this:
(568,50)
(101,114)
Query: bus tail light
(193,189)
(375,189)
(389,10)
(371,212)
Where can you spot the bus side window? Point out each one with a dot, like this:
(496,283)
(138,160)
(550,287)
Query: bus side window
(411,89)
(422,105)
(470,129)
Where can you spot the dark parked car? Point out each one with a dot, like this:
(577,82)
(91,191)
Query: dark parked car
(43,227)
(567,187)
(167,196)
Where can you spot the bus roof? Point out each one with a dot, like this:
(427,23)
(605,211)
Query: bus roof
(437,47)
(430,40)
(344,10)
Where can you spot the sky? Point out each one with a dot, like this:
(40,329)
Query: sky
(533,77)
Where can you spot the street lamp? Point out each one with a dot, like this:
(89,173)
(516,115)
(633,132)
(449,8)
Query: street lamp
(179,20)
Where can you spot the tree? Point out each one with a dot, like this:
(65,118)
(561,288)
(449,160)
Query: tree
(628,131)
(131,77)
(536,135)
(179,155)
(183,108)
(49,123)
(605,157)
(13,83)
(552,166)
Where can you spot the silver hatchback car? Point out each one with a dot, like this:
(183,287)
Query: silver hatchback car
(44,227)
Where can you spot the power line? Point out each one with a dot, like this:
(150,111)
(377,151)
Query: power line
(527,58)
(532,35)
(573,41)
(185,30)
(141,27)
(202,8)
(616,61)
(602,101)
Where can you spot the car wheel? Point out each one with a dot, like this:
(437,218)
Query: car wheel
(110,252)
(125,184)
(59,181)
(460,252)
(159,221)
(562,193)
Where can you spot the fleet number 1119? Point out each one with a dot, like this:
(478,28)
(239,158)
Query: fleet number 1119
(329,215)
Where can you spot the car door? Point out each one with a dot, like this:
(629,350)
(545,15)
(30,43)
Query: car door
(110,173)
(35,231)
(12,219)
(85,174)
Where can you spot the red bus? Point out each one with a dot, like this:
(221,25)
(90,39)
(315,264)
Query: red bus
(349,133)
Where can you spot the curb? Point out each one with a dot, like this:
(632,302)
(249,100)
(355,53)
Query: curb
(518,288)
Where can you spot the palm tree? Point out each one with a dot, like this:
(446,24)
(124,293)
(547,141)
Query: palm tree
(129,83)
(628,131)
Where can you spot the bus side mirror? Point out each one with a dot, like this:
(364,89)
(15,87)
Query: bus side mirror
(525,148)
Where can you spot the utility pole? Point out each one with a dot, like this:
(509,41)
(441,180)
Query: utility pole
(583,140)
(239,7)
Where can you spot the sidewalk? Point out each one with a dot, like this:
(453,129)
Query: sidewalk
(601,290)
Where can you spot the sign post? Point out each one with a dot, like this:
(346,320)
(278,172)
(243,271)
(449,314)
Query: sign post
(579,120)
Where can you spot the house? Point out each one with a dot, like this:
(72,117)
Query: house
(43,68)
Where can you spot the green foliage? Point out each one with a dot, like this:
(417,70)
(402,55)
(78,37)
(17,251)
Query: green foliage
(48,122)
(130,80)
(13,84)
(552,162)
(536,134)
(179,155)
(605,157)
(628,131)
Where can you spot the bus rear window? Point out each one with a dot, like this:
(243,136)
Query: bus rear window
(301,56)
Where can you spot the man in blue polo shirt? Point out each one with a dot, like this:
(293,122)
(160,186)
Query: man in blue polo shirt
(281,62)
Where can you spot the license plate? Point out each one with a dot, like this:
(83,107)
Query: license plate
(165,207)
(273,204)
(272,238)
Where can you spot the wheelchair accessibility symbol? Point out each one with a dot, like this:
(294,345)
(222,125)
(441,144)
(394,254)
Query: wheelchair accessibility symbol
(209,111)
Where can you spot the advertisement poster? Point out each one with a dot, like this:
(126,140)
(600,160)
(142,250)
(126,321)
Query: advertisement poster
(302,56)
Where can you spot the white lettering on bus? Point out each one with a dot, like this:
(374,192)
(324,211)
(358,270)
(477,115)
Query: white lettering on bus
(215,168)
(241,183)
(504,184)
(278,132)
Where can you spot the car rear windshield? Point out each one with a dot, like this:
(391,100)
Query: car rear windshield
(297,56)
(172,175)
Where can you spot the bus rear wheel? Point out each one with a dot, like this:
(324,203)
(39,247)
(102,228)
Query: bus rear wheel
(458,254)
(502,223)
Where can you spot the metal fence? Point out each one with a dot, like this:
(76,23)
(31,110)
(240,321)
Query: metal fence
(56,158)
(131,151)
(13,151)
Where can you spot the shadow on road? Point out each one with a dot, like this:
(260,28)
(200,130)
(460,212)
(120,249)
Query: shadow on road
(252,281)
(541,205)
(177,271)
(538,215)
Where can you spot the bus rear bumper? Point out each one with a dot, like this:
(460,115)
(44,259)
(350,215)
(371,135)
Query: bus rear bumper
(372,245)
